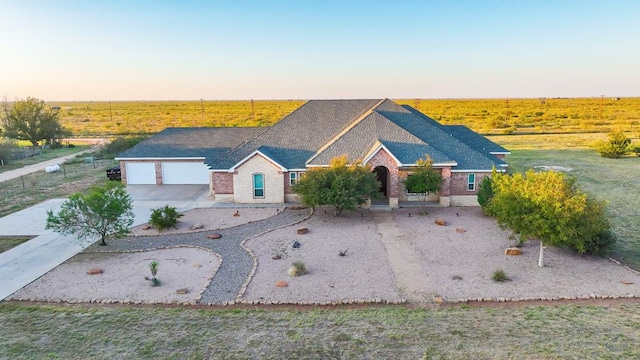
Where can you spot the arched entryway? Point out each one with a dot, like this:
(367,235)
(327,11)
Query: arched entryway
(382,173)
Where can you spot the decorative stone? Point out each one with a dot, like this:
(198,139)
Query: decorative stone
(461,230)
(513,251)
(438,300)
(296,245)
(182,291)
(196,226)
(236,214)
(214,236)
(441,222)
(456,277)
(296,207)
(626,283)
(281,283)
(197,265)
(146,227)
(276,257)
(302,231)
(94,271)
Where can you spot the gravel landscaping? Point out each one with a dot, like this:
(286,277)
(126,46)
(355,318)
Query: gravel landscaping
(390,256)
(122,277)
(362,274)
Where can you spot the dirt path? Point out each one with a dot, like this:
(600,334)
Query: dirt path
(12,174)
(414,282)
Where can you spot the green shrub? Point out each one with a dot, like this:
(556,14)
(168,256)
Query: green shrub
(635,149)
(120,144)
(617,145)
(164,217)
(153,267)
(500,276)
(297,268)
(485,192)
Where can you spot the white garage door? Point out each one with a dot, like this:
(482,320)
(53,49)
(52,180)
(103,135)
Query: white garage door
(141,173)
(184,173)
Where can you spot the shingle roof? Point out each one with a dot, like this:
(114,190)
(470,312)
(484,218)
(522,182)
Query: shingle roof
(296,138)
(207,142)
(322,129)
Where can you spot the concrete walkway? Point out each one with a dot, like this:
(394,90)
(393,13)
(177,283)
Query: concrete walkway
(12,174)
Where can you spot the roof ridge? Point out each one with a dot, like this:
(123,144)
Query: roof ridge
(345,130)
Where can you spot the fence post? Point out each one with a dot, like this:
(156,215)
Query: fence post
(64,171)
(22,178)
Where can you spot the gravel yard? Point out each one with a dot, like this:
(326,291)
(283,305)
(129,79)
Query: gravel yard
(123,277)
(362,274)
(390,255)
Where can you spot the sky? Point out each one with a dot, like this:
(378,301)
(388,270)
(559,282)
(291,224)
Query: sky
(59,50)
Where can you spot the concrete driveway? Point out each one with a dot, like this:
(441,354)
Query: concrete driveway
(34,258)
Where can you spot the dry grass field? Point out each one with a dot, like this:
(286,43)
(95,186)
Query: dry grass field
(488,116)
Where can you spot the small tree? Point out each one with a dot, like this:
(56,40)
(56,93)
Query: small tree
(104,211)
(424,180)
(343,185)
(617,146)
(32,120)
(550,207)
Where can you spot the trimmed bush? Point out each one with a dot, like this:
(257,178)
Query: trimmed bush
(617,146)
(485,192)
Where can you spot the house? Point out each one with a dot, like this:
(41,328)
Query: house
(259,165)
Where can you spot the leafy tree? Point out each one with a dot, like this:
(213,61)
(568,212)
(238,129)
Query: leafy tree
(6,150)
(549,206)
(617,146)
(342,185)
(33,121)
(485,192)
(424,180)
(104,211)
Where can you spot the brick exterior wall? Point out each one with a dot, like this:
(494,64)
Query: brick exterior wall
(459,182)
(382,158)
(222,183)
(123,171)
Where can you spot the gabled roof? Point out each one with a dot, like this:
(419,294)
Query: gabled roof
(195,142)
(296,138)
(322,129)
(475,140)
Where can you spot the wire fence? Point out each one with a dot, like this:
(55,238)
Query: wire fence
(54,176)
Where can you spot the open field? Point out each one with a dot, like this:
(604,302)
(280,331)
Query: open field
(488,116)
(528,332)
(613,180)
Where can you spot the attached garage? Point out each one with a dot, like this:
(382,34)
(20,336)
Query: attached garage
(141,173)
(185,173)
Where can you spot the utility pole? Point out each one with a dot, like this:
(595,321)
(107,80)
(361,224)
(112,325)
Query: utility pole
(253,110)
(202,109)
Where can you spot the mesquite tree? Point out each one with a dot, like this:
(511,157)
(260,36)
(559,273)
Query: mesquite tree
(103,211)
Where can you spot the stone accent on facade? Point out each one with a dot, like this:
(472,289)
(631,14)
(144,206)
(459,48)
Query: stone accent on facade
(158,166)
(123,171)
(243,181)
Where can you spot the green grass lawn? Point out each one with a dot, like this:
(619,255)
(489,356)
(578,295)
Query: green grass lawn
(536,332)
(46,154)
(612,180)
(9,242)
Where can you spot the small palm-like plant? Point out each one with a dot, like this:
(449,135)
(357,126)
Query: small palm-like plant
(153,267)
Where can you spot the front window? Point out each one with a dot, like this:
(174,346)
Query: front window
(471,182)
(293,178)
(258,185)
